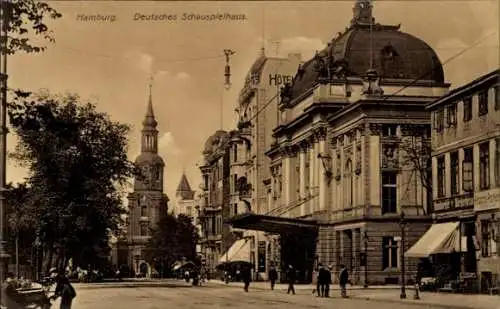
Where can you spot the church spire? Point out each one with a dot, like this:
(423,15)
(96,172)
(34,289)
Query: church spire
(149,131)
(149,120)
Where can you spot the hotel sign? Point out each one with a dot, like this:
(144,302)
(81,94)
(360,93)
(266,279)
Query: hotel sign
(485,200)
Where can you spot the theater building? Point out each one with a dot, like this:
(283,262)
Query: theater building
(346,156)
(466,182)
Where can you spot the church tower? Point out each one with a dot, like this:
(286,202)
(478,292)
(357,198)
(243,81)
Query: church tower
(147,202)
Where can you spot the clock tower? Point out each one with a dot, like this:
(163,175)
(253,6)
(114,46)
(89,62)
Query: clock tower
(147,202)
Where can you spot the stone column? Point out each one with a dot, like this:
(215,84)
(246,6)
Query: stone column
(287,179)
(322,179)
(302,172)
(312,175)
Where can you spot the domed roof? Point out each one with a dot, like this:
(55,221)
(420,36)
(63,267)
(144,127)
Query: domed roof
(149,158)
(396,55)
(214,140)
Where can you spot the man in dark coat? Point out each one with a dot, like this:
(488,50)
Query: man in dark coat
(343,280)
(321,281)
(273,276)
(65,290)
(246,275)
(328,281)
(290,275)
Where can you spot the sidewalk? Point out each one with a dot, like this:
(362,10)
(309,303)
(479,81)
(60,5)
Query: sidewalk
(391,294)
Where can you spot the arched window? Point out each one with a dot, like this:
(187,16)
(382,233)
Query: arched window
(349,180)
(390,62)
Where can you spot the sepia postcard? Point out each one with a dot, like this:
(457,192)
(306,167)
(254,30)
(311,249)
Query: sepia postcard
(249,154)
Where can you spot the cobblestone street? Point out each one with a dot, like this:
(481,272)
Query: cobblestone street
(177,294)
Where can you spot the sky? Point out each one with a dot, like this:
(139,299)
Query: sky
(110,62)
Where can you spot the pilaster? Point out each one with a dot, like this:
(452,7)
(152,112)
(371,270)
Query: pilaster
(322,179)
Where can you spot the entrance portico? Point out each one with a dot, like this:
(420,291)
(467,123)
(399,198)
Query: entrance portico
(297,245)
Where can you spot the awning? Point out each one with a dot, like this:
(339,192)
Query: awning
(440,238)
(238,252)
(271,224)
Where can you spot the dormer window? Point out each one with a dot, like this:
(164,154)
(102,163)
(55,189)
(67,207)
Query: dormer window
(389,52)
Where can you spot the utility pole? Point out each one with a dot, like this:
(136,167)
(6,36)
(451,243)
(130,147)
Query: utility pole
(4,256)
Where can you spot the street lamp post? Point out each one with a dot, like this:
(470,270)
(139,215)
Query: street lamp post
(402,223)
(4,256)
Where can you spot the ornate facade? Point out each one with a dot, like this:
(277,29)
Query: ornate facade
(344,160)
(147,202)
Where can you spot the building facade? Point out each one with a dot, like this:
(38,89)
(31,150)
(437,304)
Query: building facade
(214,205)
(466,173)
(258,116)
(345,161)
(147,203)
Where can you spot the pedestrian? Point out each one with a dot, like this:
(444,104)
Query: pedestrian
(291,279)
(65,290)
(11,298)
(317,290)
(343,280)
(328,281)
(273,276)
(247,277)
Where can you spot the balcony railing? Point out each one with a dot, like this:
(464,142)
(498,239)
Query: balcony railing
(463,201)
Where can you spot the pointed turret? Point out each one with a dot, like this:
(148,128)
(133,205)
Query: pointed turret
(184,191)
(149,120)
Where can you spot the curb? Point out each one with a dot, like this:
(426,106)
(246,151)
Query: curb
(132,285)
(408,301)
(411,302)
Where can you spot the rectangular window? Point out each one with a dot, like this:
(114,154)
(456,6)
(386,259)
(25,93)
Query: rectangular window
(389,130)
(454,172)
(144,230)
(483,102)
(496,90)
(468,170)
(467,109)
(390,256)
(485,238)
(235,153)
(235,209)
(451,118)
(441,174)
(484,166)
(497,162)
(439,120)
(235,183)
(389,192)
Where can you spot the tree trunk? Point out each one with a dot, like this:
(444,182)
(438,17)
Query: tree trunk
(17,255)
(48,257)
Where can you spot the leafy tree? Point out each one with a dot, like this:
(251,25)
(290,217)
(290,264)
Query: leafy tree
(26,20)
(20,221)
(174,238)
(77,158)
